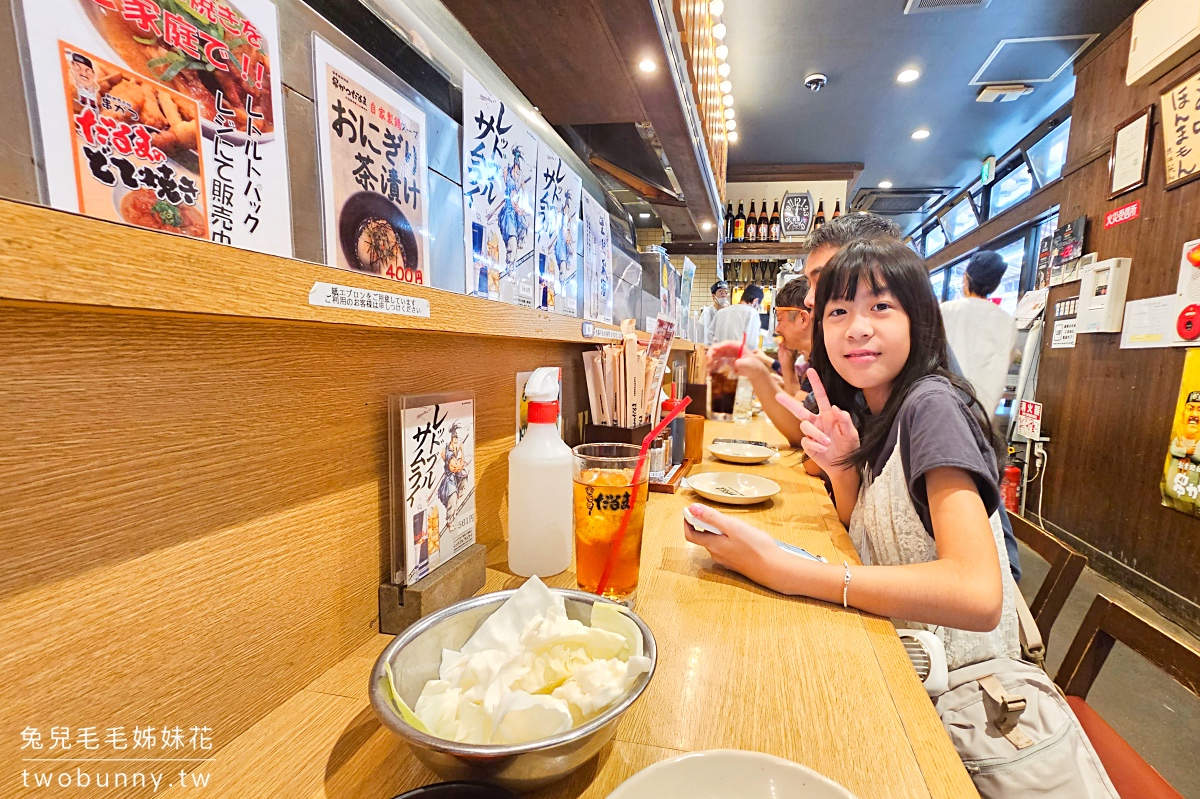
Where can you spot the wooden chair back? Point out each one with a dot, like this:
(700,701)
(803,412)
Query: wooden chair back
(1105,624)
(1066,564)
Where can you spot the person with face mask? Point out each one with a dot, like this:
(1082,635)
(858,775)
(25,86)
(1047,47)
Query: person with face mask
(720,295)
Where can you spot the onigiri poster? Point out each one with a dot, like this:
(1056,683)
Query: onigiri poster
(558,192)
(164,114)
(499,162)
(371,143)
(1181,474)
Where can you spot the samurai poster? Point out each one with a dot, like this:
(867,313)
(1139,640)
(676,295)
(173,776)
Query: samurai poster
(558,190)
(438,490)
(374,203)
(597,262)
(500,155)
(1181,474)
(164,114)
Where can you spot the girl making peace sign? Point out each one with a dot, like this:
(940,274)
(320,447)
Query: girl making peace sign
(918,487)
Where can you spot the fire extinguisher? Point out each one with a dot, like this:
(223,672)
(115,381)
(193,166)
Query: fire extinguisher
(1010,488)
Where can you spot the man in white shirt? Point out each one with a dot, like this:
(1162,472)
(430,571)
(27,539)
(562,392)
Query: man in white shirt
(720,295)
(731,323)
(981,334)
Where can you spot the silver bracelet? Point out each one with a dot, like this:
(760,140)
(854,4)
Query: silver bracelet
(845,584)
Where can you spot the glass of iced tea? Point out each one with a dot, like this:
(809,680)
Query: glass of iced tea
(604,493)
(722,389)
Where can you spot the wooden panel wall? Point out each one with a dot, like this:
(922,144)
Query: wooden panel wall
(695,23)
(1108,411)
(193,513)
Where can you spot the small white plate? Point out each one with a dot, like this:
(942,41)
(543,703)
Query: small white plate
(733,488)
(741,453)
(722,773)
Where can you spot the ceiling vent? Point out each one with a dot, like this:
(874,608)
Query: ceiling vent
(1002,92)
(918,6)
(1038,59)
(897,202)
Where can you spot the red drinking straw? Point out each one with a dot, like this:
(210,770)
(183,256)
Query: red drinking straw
(637,474)
(742,349)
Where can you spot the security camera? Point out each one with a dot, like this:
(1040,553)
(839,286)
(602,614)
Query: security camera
(816,81)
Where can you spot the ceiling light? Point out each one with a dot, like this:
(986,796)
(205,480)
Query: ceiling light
(730,124)
(644,215)
(719,31)
(885,184)
(908,76)
(920,133)
(726,87)
(706,226)
(728,101)
(716,8)
(729,113)
(723,70)
(647,65)
(733,136)
(722,52)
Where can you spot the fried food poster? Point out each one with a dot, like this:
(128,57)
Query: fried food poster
(374,200)
(1181,475)
(165,114)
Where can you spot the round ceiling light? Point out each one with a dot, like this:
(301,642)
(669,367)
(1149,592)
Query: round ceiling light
(885,184)
(908,76)
(719,31)
(723,70)
(728,100)
(730,124)
(716,8)
(706,226)
(730,113)
(726,86)
(647,65)
(722,52)
(732,136)
(920,133)
(643,215)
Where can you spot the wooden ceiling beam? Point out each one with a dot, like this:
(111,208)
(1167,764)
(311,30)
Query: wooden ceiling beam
(764,173)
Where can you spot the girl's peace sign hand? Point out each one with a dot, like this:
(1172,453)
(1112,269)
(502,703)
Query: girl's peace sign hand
(829,434)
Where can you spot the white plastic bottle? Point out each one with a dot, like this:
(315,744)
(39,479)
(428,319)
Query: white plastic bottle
(540,525)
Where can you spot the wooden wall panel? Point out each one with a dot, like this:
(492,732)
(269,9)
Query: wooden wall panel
(1108,411)
(193,512)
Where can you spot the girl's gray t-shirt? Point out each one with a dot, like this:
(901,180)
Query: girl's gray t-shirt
(939,430)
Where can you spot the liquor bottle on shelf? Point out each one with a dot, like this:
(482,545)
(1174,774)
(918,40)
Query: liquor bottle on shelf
(764,224)
(775,230)
(837,209)
(739,225)
(752,224)
(729,222)
(820,220)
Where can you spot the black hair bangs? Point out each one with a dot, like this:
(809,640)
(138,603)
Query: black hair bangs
(843,282)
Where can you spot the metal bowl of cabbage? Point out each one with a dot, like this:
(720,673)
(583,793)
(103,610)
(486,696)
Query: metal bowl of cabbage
(415,657)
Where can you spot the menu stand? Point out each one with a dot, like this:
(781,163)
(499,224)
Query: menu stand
(461,577)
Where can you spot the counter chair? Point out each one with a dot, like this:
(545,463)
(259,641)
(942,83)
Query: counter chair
(1105,624)
(1066,565)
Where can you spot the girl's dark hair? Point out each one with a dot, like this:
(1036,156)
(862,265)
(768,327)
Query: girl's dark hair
(889,265)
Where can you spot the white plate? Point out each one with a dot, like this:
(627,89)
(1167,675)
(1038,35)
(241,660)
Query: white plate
(741,453)
(733,488)
(727,773)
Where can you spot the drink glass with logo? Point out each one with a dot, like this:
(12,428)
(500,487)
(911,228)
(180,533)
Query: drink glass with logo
(604,494)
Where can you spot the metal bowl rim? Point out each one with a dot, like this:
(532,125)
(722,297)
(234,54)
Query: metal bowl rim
(397,723)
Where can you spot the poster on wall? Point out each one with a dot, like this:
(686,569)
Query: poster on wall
(597,262)
(558,191)
(432,450)
(687,278)
(1181,137)
(371,146)
(499,161)
(165,115)
(1180,485)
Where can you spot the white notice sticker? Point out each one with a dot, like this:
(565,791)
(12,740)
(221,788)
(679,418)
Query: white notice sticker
(331,295)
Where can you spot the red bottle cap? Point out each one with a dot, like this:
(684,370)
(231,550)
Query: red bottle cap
(543,412)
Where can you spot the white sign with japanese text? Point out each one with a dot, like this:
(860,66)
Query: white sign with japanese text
(331,295)
(1029,419)
(371,143)
(164,114)
(597,262)
(499,164)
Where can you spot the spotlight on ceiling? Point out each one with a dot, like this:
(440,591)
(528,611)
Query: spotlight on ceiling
(706,226)
(920,133)
(722,52)
(716,8)
(726,86)
(727,100)
(731,124)
(730,113)
(719,31)
(723,70)
(908,76)
(733,137)
(647,65)
(644,215)
(885,184)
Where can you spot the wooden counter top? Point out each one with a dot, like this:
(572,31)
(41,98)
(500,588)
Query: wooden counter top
(739,667)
